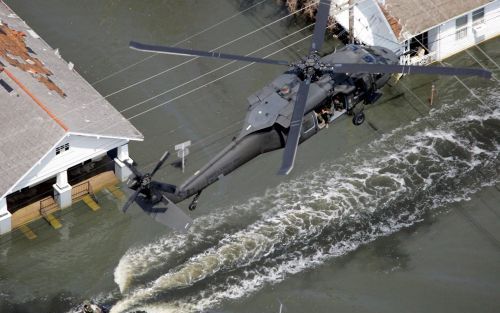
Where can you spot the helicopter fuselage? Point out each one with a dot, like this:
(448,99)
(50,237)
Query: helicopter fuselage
(269,113)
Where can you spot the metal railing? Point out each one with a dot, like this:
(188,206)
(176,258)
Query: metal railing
(426,59)
(82,189)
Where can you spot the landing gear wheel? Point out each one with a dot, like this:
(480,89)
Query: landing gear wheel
(358,118)
(194,203)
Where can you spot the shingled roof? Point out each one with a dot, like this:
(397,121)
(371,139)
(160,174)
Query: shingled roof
(48,100)
(412,17)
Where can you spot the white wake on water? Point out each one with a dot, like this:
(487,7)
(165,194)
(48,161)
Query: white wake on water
(379,190)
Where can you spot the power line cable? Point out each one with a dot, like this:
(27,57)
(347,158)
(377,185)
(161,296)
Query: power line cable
(178,43)
(200,141)
(226,44)
(221,46)
(172,131)
(213,81)
(489,58)
(185,62)
(212,71)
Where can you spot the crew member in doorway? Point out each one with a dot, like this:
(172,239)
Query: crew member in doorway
(326,113)
(323,116)
(337,103)
(284,91)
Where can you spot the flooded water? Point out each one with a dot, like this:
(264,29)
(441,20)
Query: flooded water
(399,214)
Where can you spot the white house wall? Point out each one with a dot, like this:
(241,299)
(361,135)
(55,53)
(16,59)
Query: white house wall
(81,148)
(442,38)
(370,24)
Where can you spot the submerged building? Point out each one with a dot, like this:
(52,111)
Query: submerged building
(55,128)
(422,31)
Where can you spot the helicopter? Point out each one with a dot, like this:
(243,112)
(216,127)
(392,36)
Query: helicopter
(314,92)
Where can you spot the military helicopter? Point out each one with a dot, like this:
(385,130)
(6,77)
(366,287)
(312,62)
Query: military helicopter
(312,93)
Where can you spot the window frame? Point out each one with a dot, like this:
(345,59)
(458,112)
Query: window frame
(478,20)
(461,27)
(312,117)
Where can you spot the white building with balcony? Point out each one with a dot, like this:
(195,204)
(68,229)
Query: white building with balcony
(422,31)
(51,120)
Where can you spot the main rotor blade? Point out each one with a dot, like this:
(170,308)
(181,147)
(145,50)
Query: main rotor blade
(131,200)
(163,158)
(406,69)
(292,140)
(199,53)
(322,15)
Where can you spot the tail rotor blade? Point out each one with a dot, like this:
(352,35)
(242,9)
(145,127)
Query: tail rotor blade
(163,158)
(292,140)
(133,169)
(131,200)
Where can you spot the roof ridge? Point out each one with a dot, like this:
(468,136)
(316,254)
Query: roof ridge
(34,98)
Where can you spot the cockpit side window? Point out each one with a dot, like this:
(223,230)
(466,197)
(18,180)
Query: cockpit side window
(309,123)
(369,58)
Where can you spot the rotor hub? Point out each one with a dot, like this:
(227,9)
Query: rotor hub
(309,66)
(146,180)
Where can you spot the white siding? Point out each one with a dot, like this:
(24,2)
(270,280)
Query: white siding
(442,39)
(370,24)
(81,148)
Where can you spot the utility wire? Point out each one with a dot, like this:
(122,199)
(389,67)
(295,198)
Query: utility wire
(152,163)
(212,71)
(213,81)
(221,46)
(185,62)
(489,58)
(482,65)
(178,43)
(226,44)
(178,128)
(195,143)
(459,80)
(224,75)
(234,72)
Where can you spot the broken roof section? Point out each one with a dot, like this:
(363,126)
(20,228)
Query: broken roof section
(409,18)
(14,50)
(82,108)
(34,116)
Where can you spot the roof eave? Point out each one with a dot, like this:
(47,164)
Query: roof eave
(402,39)
(139,138)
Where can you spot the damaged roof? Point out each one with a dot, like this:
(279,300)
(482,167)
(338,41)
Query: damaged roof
(42,99)
(409,17)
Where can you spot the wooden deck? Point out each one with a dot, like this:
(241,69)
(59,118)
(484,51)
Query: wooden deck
(47,206)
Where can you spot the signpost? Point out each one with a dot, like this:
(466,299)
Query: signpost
(183,151)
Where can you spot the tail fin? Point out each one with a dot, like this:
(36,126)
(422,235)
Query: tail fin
(167,213)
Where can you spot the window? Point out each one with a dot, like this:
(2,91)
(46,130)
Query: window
(369,58)
(62,148)
(309,123)
(478,16)
(461,27)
